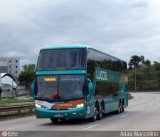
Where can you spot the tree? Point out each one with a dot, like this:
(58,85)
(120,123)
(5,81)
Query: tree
(157,65)
(142,59)
(147,63)
(27,75)
(135,60)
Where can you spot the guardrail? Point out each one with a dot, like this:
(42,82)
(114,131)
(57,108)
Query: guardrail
(17,108)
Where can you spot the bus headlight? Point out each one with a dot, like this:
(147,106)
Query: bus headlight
(40,106)
(79,105)
(37,106)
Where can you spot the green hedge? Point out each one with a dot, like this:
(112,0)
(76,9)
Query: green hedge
(148,78)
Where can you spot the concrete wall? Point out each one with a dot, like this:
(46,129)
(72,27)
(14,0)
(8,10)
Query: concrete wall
(8,92)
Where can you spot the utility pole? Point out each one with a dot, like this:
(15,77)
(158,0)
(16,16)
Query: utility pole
(12,89)
(135,79)
(0,88)
(134,61)
(0,80)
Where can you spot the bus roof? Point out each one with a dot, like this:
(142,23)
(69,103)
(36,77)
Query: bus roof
(106,54)
(77,46)
(65,46)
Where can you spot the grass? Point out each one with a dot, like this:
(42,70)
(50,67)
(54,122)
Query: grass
(16,100)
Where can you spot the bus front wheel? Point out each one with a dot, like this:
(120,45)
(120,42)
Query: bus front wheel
(119,110)
(94,118)
(123,105)
(53,120)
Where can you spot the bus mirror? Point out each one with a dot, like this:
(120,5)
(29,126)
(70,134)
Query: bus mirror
(90,86)
(88,98)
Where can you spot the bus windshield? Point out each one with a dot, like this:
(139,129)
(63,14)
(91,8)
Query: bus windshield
(60,87)
(61,59)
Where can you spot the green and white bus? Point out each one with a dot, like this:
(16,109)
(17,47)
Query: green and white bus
(78,82)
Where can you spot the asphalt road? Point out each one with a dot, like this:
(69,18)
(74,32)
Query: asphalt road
(142,114)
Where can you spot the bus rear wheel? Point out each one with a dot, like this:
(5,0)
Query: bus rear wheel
(122,108)
(100,112)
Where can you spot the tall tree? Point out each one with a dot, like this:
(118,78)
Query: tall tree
(27,75)
(135,60)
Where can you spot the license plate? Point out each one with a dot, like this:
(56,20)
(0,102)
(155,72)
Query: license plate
(58,115)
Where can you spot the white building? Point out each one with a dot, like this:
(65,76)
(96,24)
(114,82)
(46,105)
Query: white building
(10,65)
(8,85)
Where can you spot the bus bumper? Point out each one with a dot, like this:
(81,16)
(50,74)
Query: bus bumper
(67,114)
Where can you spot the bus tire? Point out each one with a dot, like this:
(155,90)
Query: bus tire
(100,112)
(119,110)
(94,118)
(123,105)
(103,108)
(122,108)
(53,120)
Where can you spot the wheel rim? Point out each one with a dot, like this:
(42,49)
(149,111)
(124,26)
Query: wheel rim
(103,109)
(100,112)
(95,113)
(119,108)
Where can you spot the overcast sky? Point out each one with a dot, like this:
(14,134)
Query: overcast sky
(119,27)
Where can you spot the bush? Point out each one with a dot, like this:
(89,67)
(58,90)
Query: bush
(148,78)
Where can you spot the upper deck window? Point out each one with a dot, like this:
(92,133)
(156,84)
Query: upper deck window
(62,59)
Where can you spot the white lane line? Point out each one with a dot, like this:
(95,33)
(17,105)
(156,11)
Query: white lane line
(90,127)
(124,115)
(14,128)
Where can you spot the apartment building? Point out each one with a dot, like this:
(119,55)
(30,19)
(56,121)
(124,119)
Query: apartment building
(10,65)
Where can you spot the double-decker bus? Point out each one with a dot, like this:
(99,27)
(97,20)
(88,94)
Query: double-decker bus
(77,81)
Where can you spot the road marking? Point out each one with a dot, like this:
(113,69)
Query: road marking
(124,115)
(17,127)
(90,127)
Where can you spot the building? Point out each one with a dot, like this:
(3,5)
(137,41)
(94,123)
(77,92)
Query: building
(10,65)
(8,86)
